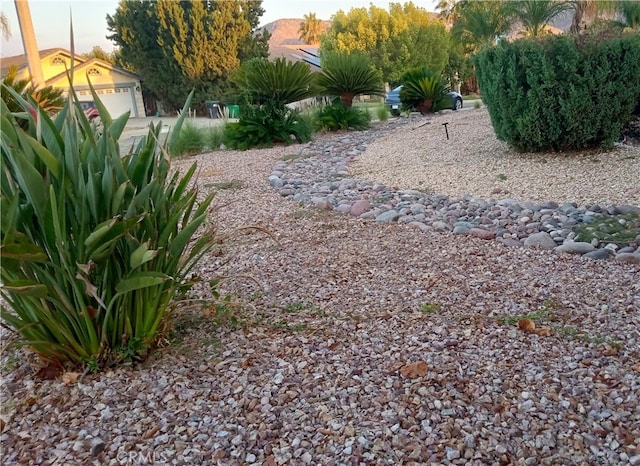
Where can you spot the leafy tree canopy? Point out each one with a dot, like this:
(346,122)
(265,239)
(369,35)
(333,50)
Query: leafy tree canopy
(100,53)
(179,46)
(404,37)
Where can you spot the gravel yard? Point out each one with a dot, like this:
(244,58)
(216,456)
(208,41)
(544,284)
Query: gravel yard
(353,342)
(474,162)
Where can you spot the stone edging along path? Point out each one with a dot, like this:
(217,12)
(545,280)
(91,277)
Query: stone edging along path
(318,175)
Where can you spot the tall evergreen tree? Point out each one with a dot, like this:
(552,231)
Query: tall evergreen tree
(179,46)
(310,29)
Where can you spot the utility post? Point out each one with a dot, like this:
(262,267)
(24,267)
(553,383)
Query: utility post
(29,42)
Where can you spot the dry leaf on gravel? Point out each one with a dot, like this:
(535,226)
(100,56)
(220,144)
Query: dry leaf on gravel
(151,432)
(417,369)
(247,362)
(527,325)
(544,331)
(70,378)
(49,372)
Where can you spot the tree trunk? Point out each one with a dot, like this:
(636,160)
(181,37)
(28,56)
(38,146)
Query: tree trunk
(425,106)
(347,99)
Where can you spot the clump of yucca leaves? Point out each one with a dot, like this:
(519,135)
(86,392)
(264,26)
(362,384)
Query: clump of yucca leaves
(94,245)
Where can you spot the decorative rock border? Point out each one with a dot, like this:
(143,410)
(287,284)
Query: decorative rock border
(318,175)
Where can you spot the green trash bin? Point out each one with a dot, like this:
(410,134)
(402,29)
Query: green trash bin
(234,111)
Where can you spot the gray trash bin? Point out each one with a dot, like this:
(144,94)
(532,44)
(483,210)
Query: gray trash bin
(214,108)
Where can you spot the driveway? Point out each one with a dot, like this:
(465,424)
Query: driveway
(138,127)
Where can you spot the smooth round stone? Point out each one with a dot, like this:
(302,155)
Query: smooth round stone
(387,217)
(360,207)
(406,219)
(575,247)
(482,234)
(344,208)
(598,254)
(627,258)
(461,230)
(541,240)
(511,242)
(440,226)
(421,226)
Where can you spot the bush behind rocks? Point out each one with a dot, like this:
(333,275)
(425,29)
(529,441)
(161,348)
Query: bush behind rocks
(556,93)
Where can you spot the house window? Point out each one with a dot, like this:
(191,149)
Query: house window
(57,61)
(125,89)
(93,72)
(118,90)
(84,92)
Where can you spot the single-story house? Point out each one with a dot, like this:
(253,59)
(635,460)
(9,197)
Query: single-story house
(118,89)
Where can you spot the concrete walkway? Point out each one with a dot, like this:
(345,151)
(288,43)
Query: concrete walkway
(138,127)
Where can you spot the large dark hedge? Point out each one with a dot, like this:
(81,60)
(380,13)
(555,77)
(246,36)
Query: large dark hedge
(555,93)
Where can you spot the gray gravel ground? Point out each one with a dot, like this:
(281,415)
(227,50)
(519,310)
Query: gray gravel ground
(350,342)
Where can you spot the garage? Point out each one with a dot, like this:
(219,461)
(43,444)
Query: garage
(119,89)
(118,100)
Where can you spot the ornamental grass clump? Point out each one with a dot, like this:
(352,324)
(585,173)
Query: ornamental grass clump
(95,246)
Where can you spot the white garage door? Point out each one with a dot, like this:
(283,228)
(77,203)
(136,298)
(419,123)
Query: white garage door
(117,100)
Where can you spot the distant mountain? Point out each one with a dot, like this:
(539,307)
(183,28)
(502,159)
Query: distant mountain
(285,31)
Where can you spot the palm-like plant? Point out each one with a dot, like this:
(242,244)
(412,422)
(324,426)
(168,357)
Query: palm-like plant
(422,89)
(48,98)
(583,11)
(481,23)
(534,15)
(310,29)
(281,81)
(4,26)
(446,10)
(348,74)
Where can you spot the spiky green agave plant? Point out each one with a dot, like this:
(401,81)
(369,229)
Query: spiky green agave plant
(95,245)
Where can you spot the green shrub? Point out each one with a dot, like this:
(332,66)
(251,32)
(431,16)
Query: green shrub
(268,86)
(423,90)
(382,112)
(189,141)
(337,116)
(558,94)
(95,245)
(214,137)
(266,125)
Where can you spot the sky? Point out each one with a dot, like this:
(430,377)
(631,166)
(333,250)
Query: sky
(51,19)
